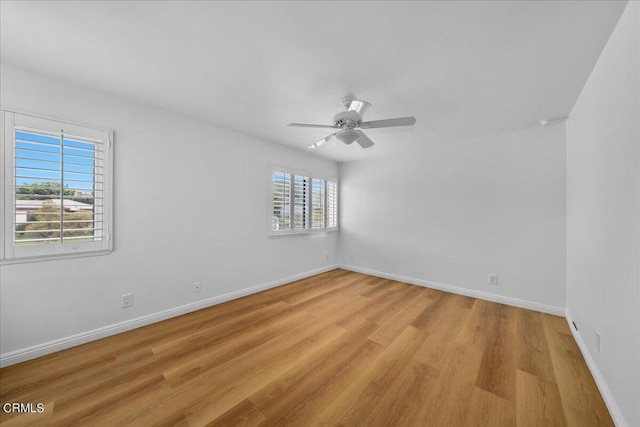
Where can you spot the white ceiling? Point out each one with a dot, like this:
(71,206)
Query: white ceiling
(462,68)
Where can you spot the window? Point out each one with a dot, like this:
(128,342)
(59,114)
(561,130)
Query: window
(332,204)
(300,203)
(56,194)
(318,205)
(281,201)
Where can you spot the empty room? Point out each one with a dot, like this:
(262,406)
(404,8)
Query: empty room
(320,213)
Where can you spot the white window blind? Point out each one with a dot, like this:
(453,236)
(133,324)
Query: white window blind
(318,208)
(332,204)
(300,203)
(56,197)
(281,200)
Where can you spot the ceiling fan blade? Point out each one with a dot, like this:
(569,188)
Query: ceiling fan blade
(400,121)
(306,125)
(322,141)
(364,140)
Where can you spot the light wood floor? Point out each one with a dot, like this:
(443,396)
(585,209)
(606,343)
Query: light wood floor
(340,348)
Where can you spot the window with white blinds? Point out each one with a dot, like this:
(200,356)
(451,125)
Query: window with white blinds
(56,195)
(281,201)
(332,204)
(319,207)
(301,203)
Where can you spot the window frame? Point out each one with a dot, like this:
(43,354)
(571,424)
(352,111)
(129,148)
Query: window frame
(13,254)
(309,203)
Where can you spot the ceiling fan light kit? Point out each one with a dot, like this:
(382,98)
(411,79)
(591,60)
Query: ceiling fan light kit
(350,120)
(347,135)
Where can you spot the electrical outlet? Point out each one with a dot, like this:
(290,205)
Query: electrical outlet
(598,341)
(328,257)
(197,287)
(493,279)
(127,300)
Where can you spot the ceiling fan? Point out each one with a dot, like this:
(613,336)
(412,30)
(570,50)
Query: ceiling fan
(350,122)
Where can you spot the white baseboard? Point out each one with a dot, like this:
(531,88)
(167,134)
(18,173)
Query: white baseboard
(614,410)
(49,347)
(558,311)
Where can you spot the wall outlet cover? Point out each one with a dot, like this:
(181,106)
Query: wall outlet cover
(127,300)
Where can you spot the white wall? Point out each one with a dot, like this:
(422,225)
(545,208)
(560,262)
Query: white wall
(455,212)
(603,208)
(191,203)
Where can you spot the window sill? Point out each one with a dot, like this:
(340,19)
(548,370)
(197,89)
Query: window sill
(307,232)
(40,258)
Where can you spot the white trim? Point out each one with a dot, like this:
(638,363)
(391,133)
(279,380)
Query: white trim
(53,346)
(54,118)
(27,259)
(607,396)
(544,308)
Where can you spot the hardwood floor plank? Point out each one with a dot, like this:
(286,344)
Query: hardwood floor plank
(212,356)
(442,326)
(555,323)
(31,374)
(154,366)
(437,315)
(497,373)
(214,333)
(487,409)
(280,399)
(313,290)
(376,288)
(401,403)
(538,403)
(357,402)
(372,310)
(532,347)
(219,389)
(397,322)
(77,409)
(241,415)
(69,391)
(339,348)
(123,411)
(342,297)
(449,399)
(480,325)
(220,400)
(322,387)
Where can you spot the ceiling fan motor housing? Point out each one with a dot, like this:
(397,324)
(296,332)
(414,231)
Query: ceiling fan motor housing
(347,119)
